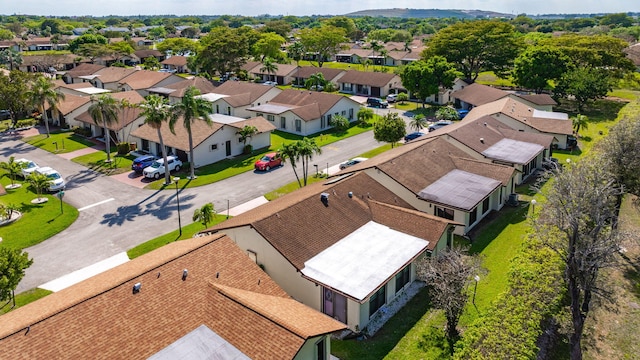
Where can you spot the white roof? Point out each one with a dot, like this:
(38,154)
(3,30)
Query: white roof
(225,119)
(513,151)
(550,115)
(88,77)
(200,344)
(360,263)
(212,97)
(92,90)
(460,189)
(271,108)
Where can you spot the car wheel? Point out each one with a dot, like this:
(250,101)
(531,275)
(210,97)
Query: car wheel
(156,176)
(267,168)
(177,168)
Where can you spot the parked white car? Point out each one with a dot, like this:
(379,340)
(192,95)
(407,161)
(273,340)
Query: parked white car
(56,182)
(28,166)
(156,170)
(352,162)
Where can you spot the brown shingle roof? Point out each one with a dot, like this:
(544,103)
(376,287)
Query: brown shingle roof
(72,102)
(299,226)
(262,124)
(377,79)
(101,317)
(478,94)
(329,74)
(539,99)
(205,86)
(308,105)
(125,115)
(241,93)
(200,131)
(176,60)
(113,74)
(84,69)
(282,70)
(144,79)
(147,53)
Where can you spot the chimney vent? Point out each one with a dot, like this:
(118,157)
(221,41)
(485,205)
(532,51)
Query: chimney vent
(185,273)
(350,194)
(136,288)
(482,140)
(324,197)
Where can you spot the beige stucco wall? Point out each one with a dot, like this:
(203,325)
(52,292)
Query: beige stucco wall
(558,139)
(308,349)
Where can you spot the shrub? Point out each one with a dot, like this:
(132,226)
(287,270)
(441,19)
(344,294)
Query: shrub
(86,132)
(248,149)
(123,148)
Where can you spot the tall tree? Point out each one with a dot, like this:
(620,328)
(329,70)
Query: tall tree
(269,66)
(268,46)
(580,224)
(580,122)
(448,275)
(290,153)
(476,46)
(75,44)
(316,80)
(191,108)
(205,214)
(13,93)
(364,116)
(156,110)
(10,57)
(537,66)
(13,263)
(42,93)
(295,52)
(104,111)
(621,151)
(177,46)
(418,122)
(222,50)
(426,78)
(323,42)
(390,128)
(583,85)
(307,148)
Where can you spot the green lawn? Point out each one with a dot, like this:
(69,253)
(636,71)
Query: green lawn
(97,161)
(187,232)
(38,222)
(59,142)
(230,167)
(25,298)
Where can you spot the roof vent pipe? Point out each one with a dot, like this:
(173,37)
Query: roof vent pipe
(185,272)
(136,288)
(350,194)
(324,198)
(482,140)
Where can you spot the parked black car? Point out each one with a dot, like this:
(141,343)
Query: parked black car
(375,102)
(142,162)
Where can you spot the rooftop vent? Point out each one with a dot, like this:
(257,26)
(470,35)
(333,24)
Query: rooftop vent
(350,194)
(324,197)
(485,124)
(185,273)
(482,140)
(136,288)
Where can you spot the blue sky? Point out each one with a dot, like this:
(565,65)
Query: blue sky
(300,7)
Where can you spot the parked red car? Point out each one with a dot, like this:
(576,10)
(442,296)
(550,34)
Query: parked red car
(269,161)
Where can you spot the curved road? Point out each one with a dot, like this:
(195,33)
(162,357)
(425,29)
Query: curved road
(115,217)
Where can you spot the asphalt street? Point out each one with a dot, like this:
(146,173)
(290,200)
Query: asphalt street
(115,217)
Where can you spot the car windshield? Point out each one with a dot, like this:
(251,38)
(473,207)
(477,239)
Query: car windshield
(53,176)
(156,164)
(266,158)
(30,165)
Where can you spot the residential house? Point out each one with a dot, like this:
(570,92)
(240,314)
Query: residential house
(488,139)
(142,80)
(79,73)
(48,63)
(201,298)
(234,98)
(441,179)
(518,115)
(175,63)
(354,55)
(306,112)
(374,84)
(444,95)
(346,247)
(303,73)
(469,96)
(210,143)
(109,77)
(65,112)
(139,56)
(174,92)
(284,73)
(129,118)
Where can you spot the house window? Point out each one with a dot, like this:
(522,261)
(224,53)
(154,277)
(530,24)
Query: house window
(402,278)
(323,122)
(298,125)
(229,110)
(351,114)
(214,147)
(377,300)
(217,109)
(271,118)
(473,215)
(253,256)
(344,113)
(443,213)
(485,205)
(321,350)
(329,119)
(261,114)
(283,122)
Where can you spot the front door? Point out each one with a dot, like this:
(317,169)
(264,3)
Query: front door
(228,147)
(334,305)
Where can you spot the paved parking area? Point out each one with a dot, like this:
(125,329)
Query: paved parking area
(131,178)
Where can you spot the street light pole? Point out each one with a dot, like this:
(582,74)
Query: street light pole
(533,206)
(175,180)
(476,278)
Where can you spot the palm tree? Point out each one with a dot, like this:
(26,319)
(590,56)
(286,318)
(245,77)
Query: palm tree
(12,168)
(42,92)
(296,51)
(316,80)
(191,108)
(157,110)
(447,113)
(269,66)
(289,152)
(104,111)
(306,149)
(245,133)
(580,122)
(39,182)
(11,57)
(418,122)
(364,116)
(205,214)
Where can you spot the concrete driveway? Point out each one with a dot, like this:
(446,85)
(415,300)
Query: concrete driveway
(116,215)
